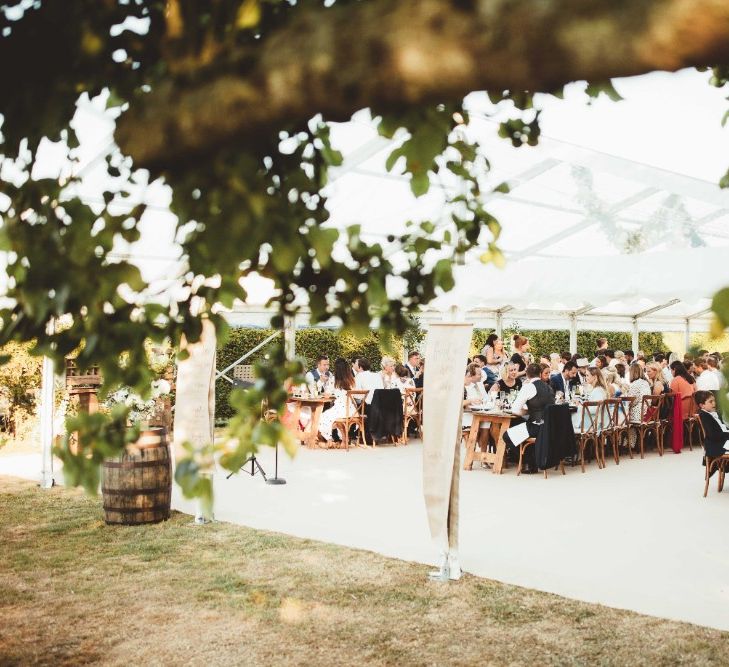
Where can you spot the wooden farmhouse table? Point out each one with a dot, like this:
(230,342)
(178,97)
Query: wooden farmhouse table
(308,435)
(500,422)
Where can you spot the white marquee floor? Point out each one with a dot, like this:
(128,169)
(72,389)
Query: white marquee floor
(637,536)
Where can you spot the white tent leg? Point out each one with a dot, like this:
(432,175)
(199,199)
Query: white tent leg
(687,336)
(290,336)
(635,343)
(499,324)
(46,424)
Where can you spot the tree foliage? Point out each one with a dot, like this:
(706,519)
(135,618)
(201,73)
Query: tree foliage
(185,76)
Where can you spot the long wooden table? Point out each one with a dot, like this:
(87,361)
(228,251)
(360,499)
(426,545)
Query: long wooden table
(309,435)
(500,422)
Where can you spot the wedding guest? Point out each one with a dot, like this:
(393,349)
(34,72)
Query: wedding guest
(715,430)
(521,350)
(629,357)
(546,371)
(662,360)
(619,382)
(601,345)
(404,379)
(530,404)
(639,387)
(596,390)
(563,381)
(413,364)
(713,363)
(683,383)
(564,357)
(705,379)
(509,380)
(474,395)
(495,357)
(366,379)
(654,376)
(320,375)
(480,359)
(343,382)
(389,377)
(419,381)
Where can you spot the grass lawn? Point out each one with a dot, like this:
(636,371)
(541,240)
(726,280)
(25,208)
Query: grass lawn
(75,591)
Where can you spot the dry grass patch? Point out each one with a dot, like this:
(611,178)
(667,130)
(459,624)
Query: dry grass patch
(75,591)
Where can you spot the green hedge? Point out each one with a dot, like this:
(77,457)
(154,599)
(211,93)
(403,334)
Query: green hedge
(311,342)
(553,340)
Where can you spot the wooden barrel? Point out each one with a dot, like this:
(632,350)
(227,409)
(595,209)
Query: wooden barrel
(137,486)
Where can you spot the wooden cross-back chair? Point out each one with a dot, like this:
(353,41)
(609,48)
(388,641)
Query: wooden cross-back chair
(412,411)
(691,422)
(650,422)
(613,429)
(354,416)
(718,463)
(626,405)
(589,433)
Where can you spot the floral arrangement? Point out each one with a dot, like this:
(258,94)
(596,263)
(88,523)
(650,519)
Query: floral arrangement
(140,410)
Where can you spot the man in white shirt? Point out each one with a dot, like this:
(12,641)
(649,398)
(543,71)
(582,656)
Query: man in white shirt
(705,379)
(365,379)
(714,369)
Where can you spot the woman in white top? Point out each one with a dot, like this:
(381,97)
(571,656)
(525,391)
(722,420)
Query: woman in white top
(639,387)
(404,381)
(343,381)
(597,390)
(389,376)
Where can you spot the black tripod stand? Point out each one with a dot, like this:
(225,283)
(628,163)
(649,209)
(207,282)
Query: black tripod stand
(255,467)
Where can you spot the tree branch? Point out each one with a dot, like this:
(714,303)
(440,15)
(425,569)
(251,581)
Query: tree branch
(389,54)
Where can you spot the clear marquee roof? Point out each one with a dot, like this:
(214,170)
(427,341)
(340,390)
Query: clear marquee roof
(584,233)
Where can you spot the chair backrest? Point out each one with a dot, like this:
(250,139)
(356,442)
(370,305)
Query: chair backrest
(413,404)
(356,398)
(626,405)
(690,404)
(611,412)
(591,411)
(650,408)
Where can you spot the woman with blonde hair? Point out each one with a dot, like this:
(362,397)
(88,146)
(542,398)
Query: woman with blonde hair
(597,390)
(654,376)
(554,363)
(390,379)
(509,380)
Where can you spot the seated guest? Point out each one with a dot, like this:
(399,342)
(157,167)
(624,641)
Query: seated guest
(705,379)
(508,381)
(601,346)
(421,378)
(715,430)
(481,361)
(389,377)
(629,357)
(546,371)
(619,382)
(619,359)
(366,379)
(404,379)
(610,357)
(596,390)
(654,376)
(320,376)
(474,395)
(534,396)
(713,363)
(563,381)
(662,360)
(343,382)
(555,361)
(683,383)
(639,387)
(601,362)
(413,364)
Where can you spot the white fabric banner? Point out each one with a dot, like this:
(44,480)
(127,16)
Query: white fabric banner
(194,419)
(446,351)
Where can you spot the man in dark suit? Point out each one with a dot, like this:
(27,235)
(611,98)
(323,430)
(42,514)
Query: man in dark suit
(564,381)
(715,430)
(413,364)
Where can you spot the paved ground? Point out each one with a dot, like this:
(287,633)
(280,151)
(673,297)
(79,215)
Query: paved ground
(637,536)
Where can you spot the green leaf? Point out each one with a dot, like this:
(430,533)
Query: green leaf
(443,273)
(420,183)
